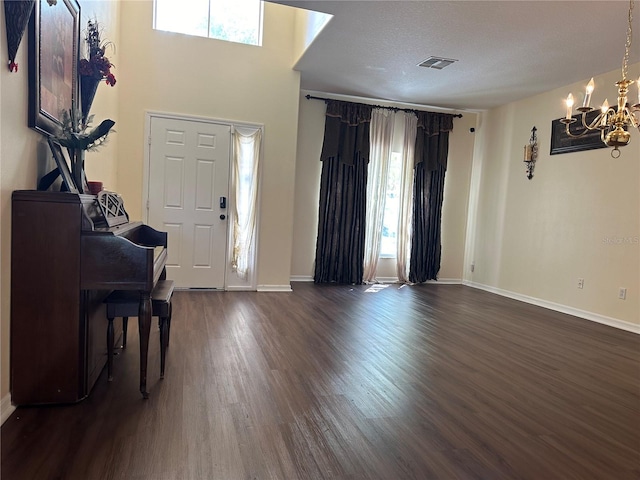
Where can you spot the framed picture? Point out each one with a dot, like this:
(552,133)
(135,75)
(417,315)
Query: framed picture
(563,143)
(63,161)
(54,35)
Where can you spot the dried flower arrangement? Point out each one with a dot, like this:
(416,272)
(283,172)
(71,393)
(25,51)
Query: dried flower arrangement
(95,68)
(97,65)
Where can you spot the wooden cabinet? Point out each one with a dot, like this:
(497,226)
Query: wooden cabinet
(58,331)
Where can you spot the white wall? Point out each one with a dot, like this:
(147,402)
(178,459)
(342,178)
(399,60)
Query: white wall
(307,187)
(579,217)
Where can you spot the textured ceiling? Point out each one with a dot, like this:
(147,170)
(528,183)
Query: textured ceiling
(506,50)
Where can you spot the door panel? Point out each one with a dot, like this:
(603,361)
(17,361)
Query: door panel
(174,190)
(205,180)
(188,173)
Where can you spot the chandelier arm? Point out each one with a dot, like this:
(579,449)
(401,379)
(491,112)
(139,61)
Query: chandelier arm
(631,115)
(600,122)
(595,123)
(603,137)
(574,135)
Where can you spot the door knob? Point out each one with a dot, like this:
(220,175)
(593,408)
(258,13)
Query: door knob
(222,217)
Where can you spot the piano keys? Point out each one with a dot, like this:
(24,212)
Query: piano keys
(65,261)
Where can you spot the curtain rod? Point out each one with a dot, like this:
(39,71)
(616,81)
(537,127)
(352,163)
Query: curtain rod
(395,109)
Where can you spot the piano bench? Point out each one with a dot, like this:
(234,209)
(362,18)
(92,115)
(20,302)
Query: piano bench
(126,303)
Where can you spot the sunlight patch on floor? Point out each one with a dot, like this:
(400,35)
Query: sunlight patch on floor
(376,288)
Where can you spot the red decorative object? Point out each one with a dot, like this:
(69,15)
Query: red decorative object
(95,187)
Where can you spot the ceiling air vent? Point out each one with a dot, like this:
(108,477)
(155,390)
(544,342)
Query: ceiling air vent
(436,62)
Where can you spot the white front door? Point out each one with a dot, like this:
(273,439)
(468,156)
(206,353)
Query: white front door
(188,180)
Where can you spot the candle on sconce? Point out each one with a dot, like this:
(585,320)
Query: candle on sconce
(587,95)
(569,102)
(528,153)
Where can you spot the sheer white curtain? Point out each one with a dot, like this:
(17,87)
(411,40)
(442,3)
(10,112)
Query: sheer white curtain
(381,136)
(406,198)
(246,157)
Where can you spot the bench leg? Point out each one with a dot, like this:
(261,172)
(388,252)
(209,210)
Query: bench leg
(125,324)
(110,341)
(169,322)
(163,343)
(144,328)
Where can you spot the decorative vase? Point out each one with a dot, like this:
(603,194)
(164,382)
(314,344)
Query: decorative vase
(95,187)
(77,171)
(88,88)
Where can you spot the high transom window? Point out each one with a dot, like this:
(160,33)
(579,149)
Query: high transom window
(237,21)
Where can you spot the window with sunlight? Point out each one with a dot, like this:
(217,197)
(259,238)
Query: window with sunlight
(391,207)
(237,21)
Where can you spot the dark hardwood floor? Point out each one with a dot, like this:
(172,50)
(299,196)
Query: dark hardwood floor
(332,382)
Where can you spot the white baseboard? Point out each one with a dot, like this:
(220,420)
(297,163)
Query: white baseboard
(447,281)
(6,408)
(441,281)
(594,317)
(301,278)
(274,288)
(239,288)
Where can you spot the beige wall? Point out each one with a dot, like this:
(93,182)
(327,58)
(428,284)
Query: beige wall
(179,74)
(577,218)
(456,197)
(307,187)
(101,165)
(19,153)
(25,157)
(307,26)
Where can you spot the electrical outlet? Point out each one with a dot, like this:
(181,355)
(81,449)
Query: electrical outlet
(622,293)
(473,267)
(581,283)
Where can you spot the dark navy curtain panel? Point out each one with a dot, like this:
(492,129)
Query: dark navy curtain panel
(343,189)
(432,150)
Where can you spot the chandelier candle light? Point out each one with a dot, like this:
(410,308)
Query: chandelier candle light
(612,123)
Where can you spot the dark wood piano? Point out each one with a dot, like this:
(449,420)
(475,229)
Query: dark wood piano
(65,260)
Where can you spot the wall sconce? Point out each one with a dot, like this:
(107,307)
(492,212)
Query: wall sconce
(531,153)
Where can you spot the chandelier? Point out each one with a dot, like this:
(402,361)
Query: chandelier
(613,123)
